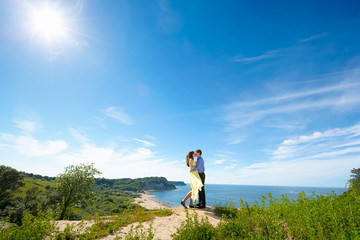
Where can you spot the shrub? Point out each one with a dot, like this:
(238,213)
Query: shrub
(192,228)
(32,227)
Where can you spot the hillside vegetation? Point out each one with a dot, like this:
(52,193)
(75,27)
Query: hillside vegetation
(308,217)
(107,196)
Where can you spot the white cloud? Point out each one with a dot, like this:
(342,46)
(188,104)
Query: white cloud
(152,138)
(231,166)
(226,159)
(340,97)
(266,55)
(319,159)
(26,125)
(28,146)
(118,114)
(142,89)
(312,38)
(298,172)
(167,17)
(146,143)
(320,144)
(78,136)
(120,163)
(220,161)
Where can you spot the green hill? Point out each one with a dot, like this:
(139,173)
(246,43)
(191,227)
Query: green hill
(111,196)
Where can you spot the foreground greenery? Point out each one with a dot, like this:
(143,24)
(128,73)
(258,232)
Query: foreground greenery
(307,217)
(43,226)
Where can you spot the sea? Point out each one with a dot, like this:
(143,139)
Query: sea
(219,194)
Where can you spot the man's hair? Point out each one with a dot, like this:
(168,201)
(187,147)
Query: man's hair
(199,151)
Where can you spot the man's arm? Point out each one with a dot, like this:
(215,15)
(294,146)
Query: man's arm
(199,162)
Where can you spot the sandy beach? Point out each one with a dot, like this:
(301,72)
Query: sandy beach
(147,201)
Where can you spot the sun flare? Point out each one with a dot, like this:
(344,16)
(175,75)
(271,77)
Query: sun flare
(48,23)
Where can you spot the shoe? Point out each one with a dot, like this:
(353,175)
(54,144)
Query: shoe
(200,206)
(191,206)
(183,203)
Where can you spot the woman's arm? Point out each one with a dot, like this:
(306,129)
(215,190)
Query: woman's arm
(191,164)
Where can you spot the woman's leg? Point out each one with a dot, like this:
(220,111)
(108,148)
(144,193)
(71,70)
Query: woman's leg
(190,193)
(187,196)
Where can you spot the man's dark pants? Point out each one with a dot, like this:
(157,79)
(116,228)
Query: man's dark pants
(202,200)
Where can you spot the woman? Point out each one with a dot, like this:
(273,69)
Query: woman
(195,181)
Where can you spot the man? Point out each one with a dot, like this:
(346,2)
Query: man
(201,169)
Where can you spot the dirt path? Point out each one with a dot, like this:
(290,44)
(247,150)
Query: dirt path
(163,226)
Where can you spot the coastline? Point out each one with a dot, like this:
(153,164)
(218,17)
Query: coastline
(147,201)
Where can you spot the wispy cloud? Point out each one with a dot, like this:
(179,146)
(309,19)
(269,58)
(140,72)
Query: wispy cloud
(79,136)
(130,162)
(118,114)
(338,97)
(276,53)
(27,125)
(308,160)
(320,173)
(152,138)
(266,55)
(321,145)
(226,159)
(29,146)
(220,161)
(146,143)
(167,17)
(312,38)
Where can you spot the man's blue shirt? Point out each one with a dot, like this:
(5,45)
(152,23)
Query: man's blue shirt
(200,165)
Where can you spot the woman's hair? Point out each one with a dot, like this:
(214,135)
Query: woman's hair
(189,156)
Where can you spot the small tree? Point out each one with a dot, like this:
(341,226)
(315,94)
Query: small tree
(75,186)
(10,181)
(355,180)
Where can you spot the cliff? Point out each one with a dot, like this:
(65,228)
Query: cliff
(178,183)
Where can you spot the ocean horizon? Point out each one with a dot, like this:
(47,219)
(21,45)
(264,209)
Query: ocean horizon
(222,194)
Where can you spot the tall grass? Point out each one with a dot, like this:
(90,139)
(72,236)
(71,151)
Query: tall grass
(307,217)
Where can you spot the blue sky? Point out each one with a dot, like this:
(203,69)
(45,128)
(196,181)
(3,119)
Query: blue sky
(269,90)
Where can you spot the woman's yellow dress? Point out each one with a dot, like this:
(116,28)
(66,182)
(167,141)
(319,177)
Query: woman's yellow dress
(195,182)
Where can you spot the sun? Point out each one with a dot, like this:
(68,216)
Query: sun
(48,23)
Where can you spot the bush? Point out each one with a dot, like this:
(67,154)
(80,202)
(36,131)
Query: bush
(191,228)
(32,227)
(138,233)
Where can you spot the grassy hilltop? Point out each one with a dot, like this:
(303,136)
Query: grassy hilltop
(34,201)
(111,196)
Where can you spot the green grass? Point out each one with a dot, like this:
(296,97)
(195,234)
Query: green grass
(106,201)
(41,184)
(308,217)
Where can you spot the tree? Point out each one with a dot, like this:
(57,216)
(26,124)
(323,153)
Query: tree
(75,186)
(355,180)
(10,181)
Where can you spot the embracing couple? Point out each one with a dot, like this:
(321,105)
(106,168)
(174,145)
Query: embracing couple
(197,180)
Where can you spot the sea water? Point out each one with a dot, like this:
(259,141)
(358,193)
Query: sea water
(222,194)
